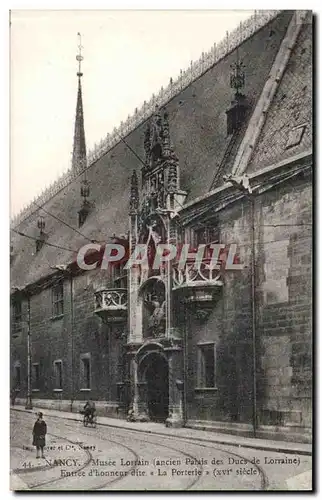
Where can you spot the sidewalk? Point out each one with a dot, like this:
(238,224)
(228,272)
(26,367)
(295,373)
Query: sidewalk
(185,433)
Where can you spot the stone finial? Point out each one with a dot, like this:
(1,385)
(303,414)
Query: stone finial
(41,224)
(237,76)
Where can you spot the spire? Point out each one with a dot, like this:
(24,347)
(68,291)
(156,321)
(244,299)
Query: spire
(79,149)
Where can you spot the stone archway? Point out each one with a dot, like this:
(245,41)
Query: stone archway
(153,373)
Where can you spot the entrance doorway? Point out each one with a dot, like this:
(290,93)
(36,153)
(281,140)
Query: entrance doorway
(156,374)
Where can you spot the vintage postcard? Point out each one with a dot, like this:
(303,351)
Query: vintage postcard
(161,250)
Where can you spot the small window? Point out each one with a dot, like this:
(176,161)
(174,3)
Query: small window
(58,374)
(295,136)
(206,235)
(35,376)
(207,366)
(85,372)
(17,377)
(17,315)
(58,299)
(119,276)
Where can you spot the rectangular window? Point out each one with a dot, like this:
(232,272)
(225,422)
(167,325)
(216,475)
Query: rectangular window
(206,235)
(85,372)
(58,299)
(119,276)
(207,366)
(35,376)
(58,373)
(17,315)
(17,377)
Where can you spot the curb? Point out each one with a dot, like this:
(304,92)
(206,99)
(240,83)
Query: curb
(255,446)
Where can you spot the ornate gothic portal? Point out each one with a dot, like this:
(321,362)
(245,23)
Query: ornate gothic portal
(153,373)
(154,342)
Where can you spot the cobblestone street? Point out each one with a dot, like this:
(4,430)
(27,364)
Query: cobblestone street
(109,458)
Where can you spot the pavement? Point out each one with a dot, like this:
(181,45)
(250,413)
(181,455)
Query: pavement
(185,433)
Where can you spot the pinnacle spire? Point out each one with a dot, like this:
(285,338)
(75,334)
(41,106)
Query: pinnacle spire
(79,149)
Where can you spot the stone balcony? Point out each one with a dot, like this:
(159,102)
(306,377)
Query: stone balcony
(198,288)
(111,304)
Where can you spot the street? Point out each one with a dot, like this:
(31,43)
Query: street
(106,458)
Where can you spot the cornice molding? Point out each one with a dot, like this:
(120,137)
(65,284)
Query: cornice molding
(260,181)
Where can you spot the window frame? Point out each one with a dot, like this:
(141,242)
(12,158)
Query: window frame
(16,366)
(85,358)
(55,363)
(57,300)
(201,368)
(35,381)
(119,276)
(17,315)
(207,229)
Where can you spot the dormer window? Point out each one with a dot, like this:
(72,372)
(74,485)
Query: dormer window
(83,214)
(39,244)
(236,114)
(85,209)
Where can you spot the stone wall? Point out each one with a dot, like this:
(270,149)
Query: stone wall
(53,339)
(283,296)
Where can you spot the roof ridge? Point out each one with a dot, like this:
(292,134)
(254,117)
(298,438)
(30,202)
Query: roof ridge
(242,32)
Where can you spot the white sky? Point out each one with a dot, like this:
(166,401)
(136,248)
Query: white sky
(128,55)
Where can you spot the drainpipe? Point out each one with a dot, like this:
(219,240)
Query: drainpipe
(72,338)
(253,299)
(185,369)
(29,394)
(65,271)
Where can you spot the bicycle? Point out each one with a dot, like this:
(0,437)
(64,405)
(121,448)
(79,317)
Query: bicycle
(90,420)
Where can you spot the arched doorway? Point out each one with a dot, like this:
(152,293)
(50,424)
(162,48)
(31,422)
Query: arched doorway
(154,372)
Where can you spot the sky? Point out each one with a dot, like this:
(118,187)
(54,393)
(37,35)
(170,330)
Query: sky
(128,55)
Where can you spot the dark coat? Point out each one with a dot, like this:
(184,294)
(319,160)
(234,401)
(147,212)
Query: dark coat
(39,433)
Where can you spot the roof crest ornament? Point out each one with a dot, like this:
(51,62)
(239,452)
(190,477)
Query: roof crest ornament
(217,52)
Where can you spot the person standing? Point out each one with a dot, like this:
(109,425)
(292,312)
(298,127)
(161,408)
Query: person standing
(39,435)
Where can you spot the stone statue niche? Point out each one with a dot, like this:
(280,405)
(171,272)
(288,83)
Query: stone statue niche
(154,310)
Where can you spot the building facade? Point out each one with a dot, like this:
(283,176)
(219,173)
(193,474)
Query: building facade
(227,159)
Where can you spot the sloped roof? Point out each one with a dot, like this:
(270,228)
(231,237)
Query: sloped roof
(197,118)
(290,109)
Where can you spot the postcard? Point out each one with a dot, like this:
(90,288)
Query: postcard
(161,250)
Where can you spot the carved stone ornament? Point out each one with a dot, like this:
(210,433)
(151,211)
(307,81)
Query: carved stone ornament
(111,304)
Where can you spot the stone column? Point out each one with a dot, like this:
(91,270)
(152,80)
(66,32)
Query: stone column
(134,304)
(175,418)
(139,405)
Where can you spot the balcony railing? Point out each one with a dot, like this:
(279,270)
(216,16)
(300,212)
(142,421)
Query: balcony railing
(111,304)
(192,276)
(198,286)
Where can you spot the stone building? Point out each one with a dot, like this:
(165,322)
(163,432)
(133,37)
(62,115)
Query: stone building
(222,155)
